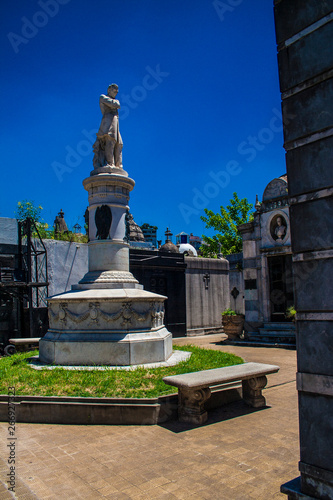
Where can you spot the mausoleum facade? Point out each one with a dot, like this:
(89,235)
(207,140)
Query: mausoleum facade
(267,263)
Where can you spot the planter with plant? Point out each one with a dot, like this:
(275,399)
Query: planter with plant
(291,314)
(232,323)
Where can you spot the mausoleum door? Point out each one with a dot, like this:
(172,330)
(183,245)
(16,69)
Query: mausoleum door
(280,286)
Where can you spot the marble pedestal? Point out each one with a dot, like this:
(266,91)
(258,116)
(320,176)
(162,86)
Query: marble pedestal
(107,318)
(106,327)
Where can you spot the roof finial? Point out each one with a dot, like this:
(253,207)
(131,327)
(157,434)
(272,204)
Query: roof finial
(257,204)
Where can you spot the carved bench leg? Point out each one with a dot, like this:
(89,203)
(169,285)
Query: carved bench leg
(191,405)
(252,388)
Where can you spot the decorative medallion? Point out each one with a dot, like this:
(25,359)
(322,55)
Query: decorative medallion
(278,228)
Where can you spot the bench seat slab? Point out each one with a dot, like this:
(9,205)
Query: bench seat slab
(218,376)
(27,341)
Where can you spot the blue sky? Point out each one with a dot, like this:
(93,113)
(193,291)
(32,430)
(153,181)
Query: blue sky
(198,85)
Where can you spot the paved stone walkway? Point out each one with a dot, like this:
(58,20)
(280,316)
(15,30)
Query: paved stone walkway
(241,453)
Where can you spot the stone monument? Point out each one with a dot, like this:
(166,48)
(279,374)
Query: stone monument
(107,318)
(59,224)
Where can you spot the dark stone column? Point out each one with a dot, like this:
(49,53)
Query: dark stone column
(304,32)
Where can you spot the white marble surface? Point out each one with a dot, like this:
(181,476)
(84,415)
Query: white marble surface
(108,189)
(105,348)
(108,256)
(175,358)
(107,294)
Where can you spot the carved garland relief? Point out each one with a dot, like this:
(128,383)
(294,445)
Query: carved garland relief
(94,313)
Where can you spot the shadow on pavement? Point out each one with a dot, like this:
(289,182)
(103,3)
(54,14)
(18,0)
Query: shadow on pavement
(232,410)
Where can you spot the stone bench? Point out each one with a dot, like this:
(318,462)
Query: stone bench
(21,344)
(194,388)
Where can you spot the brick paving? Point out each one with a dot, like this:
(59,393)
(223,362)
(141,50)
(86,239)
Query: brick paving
(241,453)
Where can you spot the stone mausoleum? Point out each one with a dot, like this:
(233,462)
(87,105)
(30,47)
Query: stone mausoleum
(267,263)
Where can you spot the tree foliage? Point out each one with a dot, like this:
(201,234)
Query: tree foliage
(148,226)
(225,224)
(27,208)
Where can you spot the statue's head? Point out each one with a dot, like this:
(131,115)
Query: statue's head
(113,90)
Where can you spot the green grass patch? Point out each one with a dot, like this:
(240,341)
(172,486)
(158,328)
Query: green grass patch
(15,371)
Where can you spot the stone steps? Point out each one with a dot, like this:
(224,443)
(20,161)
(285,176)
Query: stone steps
(276,333)
(278,326)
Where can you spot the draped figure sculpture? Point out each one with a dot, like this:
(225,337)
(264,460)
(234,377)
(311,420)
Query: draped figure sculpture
(108,145)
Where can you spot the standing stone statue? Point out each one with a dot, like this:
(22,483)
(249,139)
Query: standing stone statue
(108,145)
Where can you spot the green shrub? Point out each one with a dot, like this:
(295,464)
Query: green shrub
(229,312)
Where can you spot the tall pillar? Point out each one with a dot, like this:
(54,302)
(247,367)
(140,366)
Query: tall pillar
(304,31)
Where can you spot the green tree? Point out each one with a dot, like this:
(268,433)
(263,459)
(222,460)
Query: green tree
(225,224)
(27,209)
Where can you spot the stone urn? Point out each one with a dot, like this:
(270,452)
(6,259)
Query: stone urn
(233,324)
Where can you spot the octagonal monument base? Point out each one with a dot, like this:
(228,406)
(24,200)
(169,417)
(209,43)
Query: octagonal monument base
(117,327)
(105,348)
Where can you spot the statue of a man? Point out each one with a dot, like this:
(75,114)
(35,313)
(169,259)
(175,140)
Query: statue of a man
(108,145)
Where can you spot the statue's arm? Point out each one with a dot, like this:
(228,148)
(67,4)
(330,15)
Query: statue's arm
(108,101)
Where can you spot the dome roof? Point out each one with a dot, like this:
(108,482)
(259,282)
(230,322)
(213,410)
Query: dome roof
(277,188)
(169,247)
(188,249)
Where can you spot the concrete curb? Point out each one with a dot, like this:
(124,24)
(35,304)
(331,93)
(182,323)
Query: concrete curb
(105,411)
